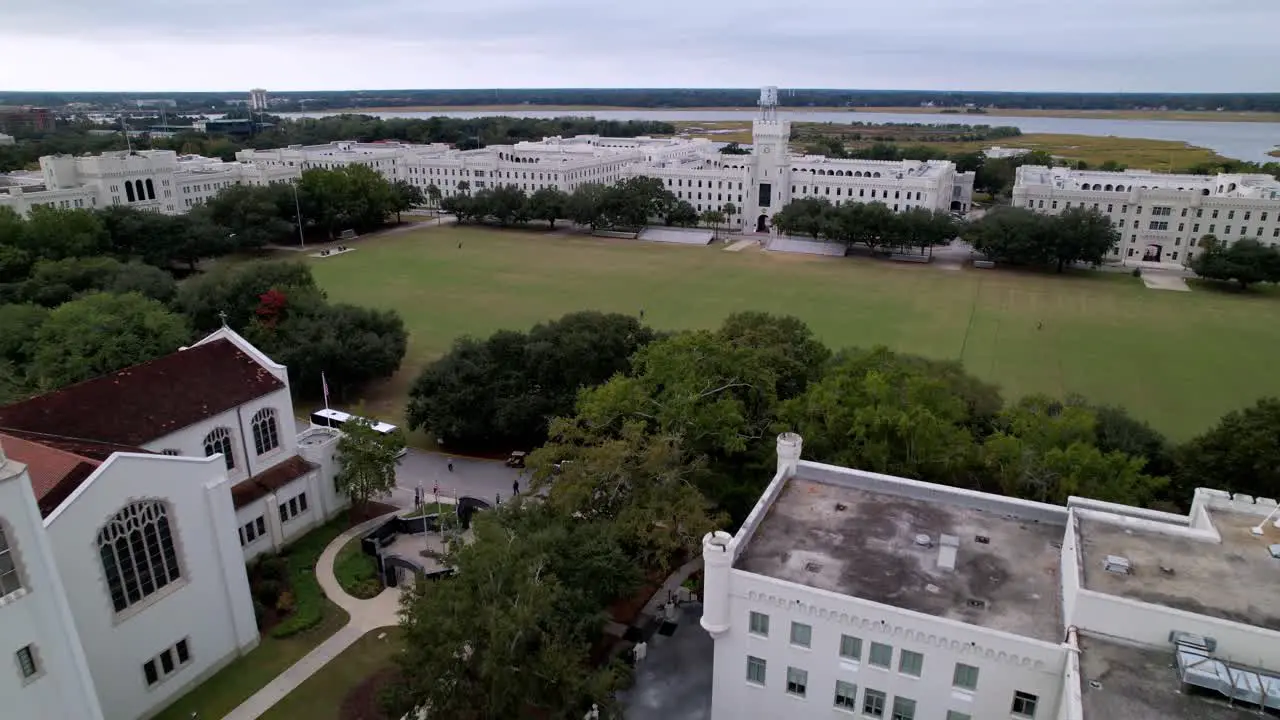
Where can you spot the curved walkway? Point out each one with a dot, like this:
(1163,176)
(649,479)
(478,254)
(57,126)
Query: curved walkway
(366,615)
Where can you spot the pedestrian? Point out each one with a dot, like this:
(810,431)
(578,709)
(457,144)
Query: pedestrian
(450,464)
(641,313)
(1039,325)
(515,487)
(459,246)
(497,498)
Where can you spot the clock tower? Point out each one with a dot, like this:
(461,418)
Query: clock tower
(771,188)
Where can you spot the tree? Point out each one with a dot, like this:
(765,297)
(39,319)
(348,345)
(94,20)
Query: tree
(433,194)
(734,148)
(1013,235)
(682,214)
(367,462)
(1082,235)
(56,233)
(502,392)
(783,343)
(642,485)
(1244,261)
(712,219)
(19,328)
(507,204)
(102,333)
(525,606)
(874,411)
(54,282)
(405,196)
(1239,454)
(584,205)
(464,187)
(249,216)
(549,204)
(730,210)
(236,290)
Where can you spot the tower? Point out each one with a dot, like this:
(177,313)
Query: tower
(772,168)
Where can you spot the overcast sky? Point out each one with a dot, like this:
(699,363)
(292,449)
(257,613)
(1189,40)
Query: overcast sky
(1076,45)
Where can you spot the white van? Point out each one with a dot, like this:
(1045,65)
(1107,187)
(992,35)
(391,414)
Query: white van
(337,419)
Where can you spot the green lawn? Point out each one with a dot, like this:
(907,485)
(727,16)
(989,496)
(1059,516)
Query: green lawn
(356,572)
(320,696)
(236,682)
(1179,360)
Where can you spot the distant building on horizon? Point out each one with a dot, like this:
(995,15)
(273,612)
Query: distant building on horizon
(258,99)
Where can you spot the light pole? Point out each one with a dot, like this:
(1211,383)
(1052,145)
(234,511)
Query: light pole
(302,239)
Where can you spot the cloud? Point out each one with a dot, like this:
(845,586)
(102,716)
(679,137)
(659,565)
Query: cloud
(1103,45)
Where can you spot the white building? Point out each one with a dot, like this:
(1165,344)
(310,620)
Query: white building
(154,180)
(7,139)
(853,593)
(129,504)
(1161,218)
(258,99)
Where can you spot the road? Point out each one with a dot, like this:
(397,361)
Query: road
(484,479)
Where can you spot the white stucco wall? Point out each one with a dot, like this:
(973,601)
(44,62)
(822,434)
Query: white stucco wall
(210,605)
(1006,662)
(38,615)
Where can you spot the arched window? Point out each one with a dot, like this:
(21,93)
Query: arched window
(876,175)
(151,190)
(858,174)
(128,190)
(138,190)
(265,435)
(1107,188)
(137,551)
(219,441)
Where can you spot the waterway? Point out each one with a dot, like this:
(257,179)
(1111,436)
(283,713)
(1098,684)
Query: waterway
(1241,140)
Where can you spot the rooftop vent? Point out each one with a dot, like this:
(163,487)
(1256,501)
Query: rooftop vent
(813,567)
(979,604)
(1118,565)
(1095,684)
(1166,570)
(947,553)
(923,540)
(841,507)
(982,539)
(1274,550)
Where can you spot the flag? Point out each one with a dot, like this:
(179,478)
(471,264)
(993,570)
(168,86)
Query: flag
(325,385)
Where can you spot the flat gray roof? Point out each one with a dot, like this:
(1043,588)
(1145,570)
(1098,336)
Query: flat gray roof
(861,543)
(1235,580)
(1126,682)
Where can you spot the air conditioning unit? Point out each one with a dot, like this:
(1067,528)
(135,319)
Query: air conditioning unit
(1118,565)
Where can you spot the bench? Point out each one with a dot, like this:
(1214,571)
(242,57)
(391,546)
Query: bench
(984,264)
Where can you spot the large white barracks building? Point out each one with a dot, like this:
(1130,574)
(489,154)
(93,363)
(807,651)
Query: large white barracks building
(852,594)
(757,185)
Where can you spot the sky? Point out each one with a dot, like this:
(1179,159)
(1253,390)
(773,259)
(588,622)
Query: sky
(1034,45)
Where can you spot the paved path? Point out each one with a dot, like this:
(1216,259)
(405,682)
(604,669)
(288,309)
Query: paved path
(740,245)
(366,615)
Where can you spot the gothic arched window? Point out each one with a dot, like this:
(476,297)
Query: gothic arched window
(151,190)
(138,554)
(266,437)
(10,580)
(128,190)
(219,441)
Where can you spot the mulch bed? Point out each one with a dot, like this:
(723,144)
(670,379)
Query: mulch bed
(362,702)
(369,511)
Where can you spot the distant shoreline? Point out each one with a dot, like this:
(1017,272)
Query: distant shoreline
(972,118)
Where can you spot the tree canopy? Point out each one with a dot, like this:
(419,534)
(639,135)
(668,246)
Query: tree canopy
(367,461)
(1246,261)
(1021,237)
(871,224)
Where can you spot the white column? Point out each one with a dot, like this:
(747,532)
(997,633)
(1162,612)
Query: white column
(789,446)
(717,560)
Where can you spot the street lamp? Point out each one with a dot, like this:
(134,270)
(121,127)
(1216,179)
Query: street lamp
(302,239)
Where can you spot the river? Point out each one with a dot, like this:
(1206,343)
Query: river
(1241,140)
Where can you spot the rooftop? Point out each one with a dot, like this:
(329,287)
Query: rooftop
(148,401)
(1234,580)
(1126,682)
(863,543)
(270,480)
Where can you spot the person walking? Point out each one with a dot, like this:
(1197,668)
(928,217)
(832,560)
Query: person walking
(450,464)
(515,487)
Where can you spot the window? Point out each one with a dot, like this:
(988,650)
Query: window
(1231,214)
(1182,226)
(759,624)
(1195,227)
(1212,228)
(9,580)
(910,663)
(166,663)
(1184,212)
(137,552)
(801,634)
(957,715)
(253,530)
(904,709)
(1055,204)
(265,435)
(1158,225)
(846,695)
(755,670)
(881,655)
(873,703)
(1226,230)
(27,662)
(219,441)
(294,507)
(850,647)
(797,681)
(1244,230)
(1024,704)
(965,677)
(1160,211)
(1215,214)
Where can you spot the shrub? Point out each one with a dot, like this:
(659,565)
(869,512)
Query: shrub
(268,592)
(1137,272)
(285,603)
(259,613)
(271,567)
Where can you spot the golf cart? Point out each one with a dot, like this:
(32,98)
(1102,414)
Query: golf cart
(517,459)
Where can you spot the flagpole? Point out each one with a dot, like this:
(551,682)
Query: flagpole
(324,384)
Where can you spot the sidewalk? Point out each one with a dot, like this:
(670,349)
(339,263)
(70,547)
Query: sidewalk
(366,615)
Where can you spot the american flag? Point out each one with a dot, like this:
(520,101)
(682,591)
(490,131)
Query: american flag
(325,384)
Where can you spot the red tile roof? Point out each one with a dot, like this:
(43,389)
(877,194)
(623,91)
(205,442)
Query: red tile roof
(270,480)
(148,401)
(55,473)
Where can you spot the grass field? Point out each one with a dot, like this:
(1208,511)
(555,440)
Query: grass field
(320,696)
(1160,155)
(1179,360)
